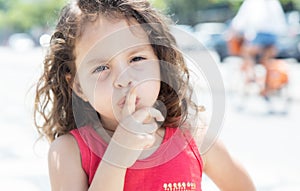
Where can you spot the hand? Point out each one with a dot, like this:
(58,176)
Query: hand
(135,132)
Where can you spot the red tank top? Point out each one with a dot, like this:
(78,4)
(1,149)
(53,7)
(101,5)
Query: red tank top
(175,166)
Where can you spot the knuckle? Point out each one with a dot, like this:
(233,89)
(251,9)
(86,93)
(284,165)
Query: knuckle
(152,128)
(150,140)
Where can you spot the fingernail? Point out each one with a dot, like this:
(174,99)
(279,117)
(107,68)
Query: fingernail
(133,90)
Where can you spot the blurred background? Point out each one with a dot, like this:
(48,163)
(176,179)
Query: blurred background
(263,134)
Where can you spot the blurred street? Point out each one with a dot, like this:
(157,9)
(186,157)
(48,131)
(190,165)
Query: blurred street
(267,145)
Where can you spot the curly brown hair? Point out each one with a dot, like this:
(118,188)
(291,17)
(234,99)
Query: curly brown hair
(53,112)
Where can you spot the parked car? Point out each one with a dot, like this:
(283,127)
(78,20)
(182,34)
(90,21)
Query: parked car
(289,47)
(213,36)
(185,38)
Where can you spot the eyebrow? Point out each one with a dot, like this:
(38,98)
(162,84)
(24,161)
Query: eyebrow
(140,48)
(131,50)
(97,60)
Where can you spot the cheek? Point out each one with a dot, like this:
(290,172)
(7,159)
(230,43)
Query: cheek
(102,92)
(97,93)
(149,90)
(149,83)
(156,85)
(150,70)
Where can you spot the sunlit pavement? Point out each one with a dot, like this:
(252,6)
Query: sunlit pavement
(267,145)
(23,165)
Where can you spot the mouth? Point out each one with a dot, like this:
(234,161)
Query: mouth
(121,103)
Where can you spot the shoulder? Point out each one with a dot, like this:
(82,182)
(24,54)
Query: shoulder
(216,151)
(63,144)
(64,150)
(69,143)
(65,164)
(209,147)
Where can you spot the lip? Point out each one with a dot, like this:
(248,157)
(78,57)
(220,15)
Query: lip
(121,103)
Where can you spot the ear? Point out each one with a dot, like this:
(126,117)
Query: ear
(75,85)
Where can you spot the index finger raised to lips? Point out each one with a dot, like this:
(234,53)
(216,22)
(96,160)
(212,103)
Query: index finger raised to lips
(129,105)
(140,123)
(144,113)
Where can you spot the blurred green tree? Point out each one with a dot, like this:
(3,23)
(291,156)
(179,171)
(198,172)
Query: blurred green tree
(185,12)
(22,16)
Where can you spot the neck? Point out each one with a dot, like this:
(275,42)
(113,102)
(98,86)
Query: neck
(108,130)
(109,124)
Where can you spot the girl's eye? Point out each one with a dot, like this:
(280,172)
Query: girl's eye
(101,68)
(137,59)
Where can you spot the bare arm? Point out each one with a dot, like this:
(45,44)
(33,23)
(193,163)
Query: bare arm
(109,177)
(65,166)
(224,171)
(67,174)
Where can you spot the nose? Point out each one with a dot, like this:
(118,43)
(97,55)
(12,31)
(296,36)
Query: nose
(123,78)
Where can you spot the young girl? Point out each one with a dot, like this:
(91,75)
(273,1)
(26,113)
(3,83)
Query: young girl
(116,105)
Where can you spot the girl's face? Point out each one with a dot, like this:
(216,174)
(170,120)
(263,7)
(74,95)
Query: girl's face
(112,58)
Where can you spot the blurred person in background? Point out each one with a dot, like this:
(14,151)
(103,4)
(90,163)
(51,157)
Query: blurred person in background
(254,31)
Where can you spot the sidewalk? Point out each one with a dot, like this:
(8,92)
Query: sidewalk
(23,164)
